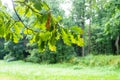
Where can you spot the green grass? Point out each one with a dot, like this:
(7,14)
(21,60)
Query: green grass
(19,70)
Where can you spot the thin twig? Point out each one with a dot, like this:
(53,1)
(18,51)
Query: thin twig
(20,18)
(28,7)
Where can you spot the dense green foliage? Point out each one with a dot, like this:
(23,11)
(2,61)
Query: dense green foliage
(63,53)
(105,27)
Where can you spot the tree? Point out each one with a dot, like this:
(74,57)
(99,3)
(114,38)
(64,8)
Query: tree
(112,25)
(34,19)
(78,13)
(104,26)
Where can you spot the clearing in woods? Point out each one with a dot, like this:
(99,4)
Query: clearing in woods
(19,70)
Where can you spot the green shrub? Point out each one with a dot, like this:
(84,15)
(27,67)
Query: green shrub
(15,49)
(3,52)
(98,60)
(62,54)
(34,56)
(33,59)
(9,58)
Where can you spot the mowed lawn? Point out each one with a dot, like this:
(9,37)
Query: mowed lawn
(19,70)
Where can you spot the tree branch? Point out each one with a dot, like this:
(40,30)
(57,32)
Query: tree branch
(28,7)
(20,18)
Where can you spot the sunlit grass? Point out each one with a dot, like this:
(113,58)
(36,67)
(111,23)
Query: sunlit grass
(19,70)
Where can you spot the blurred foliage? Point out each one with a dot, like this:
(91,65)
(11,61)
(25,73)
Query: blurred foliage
(99,60)
(62,54)
(15,51)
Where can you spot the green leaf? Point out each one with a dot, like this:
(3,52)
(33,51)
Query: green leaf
(37,5)
(80,41)
(2,28)
(59,18)
(29,13)
(52,47)
(65,37)
(21,10)
(72,39)
(45,36)
(27,10)
(8,36)
(15,38)
(57,36)
(34,39)
(17,30)
(28,31)
(42,46)
(20,25)
(77,30)
(46,7)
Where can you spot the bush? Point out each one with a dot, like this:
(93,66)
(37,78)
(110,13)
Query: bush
(63,53)
(3,51)
(16,50)
(9,58)
(99,60)
(34,56)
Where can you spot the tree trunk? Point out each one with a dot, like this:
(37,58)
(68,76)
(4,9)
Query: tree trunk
(89,37)
(89,30)
(83,26)
(117,45)
(83,48)
(113,47)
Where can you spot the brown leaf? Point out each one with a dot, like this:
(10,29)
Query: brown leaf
(48,21)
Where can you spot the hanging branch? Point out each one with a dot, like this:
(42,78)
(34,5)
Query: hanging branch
(32,9)
(20,18)
(29,7)
(18,15)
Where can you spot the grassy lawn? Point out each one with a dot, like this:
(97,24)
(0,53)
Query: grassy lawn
(19,70)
